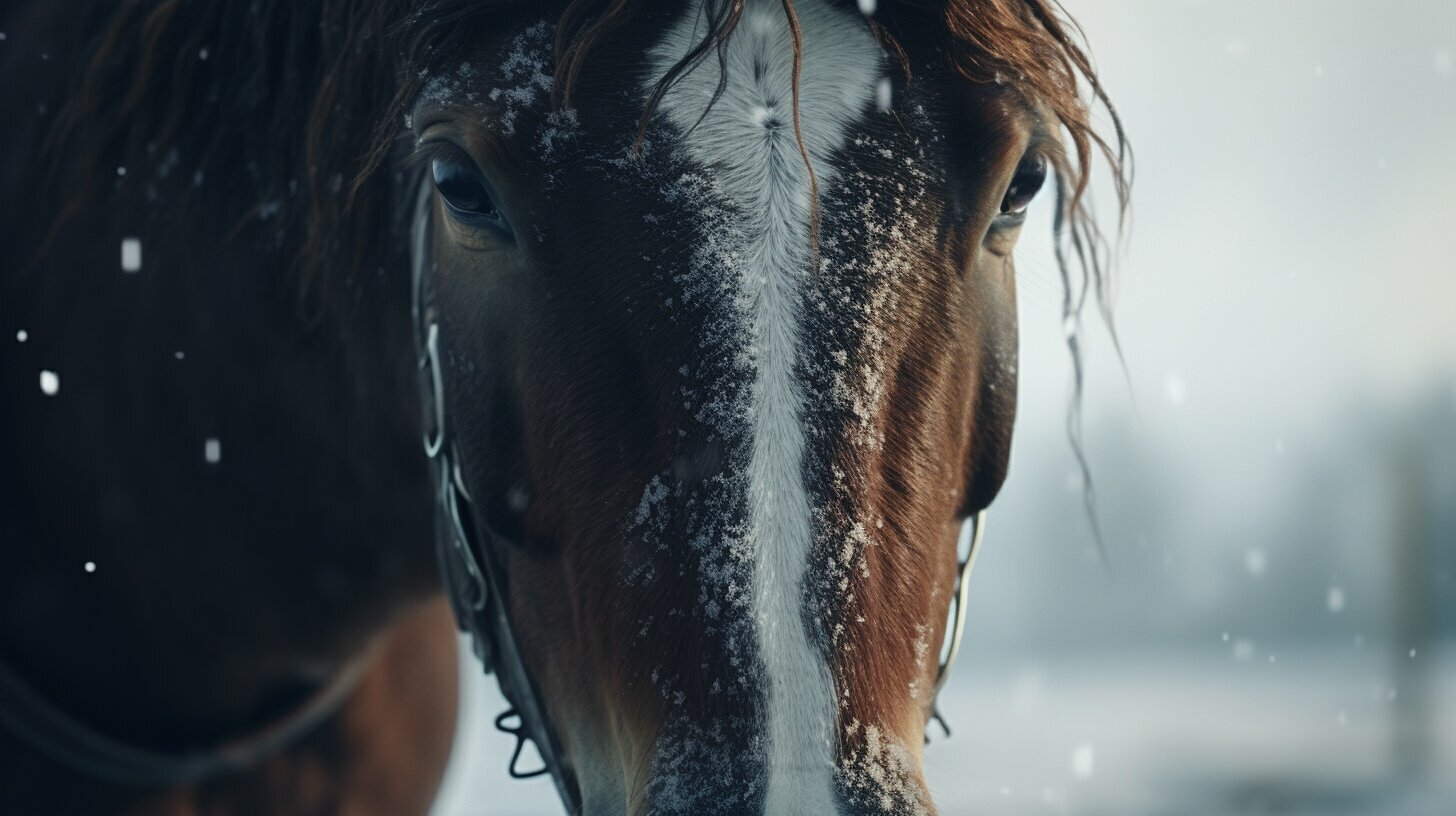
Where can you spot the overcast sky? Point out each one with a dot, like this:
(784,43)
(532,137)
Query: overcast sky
(1293,213)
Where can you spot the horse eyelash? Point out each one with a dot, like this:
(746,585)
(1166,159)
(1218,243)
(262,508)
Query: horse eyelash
(426,151)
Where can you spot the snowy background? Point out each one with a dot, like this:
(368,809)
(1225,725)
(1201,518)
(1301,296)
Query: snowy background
(1275,628)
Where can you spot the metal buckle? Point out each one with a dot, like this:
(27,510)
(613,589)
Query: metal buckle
(431,360)
(450,497)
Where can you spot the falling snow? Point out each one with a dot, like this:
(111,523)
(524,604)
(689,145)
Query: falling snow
(884,95)
(1175,390)
(1243,650)
(1255,561)
(131,255)
(1083,761)
(50,383)
(1444,64)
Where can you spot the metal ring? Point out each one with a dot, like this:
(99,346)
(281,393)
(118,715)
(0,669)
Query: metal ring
(962,595)
(461,541)
(437,391)
(457,477)
(519,732)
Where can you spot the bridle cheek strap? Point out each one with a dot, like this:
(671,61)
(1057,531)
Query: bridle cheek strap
(972,531)
(468,548)
(476,582)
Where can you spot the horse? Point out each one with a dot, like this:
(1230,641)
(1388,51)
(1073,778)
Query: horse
(705,311)
(220,592)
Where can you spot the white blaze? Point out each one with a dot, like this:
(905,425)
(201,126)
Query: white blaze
(748,142)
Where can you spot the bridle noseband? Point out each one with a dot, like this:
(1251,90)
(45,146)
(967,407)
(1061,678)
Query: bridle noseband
(476,581)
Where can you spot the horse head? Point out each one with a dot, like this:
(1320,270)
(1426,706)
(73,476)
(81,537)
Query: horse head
(727,342)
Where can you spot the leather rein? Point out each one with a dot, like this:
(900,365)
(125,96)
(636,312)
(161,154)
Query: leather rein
(65,739)
(476,581)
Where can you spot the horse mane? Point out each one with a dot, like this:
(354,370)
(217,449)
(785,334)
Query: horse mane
(291,109)
(294,111)
(256,112)
(1032,47)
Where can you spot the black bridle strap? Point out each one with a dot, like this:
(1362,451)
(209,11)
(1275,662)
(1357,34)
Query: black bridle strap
(45,726)
(469,549)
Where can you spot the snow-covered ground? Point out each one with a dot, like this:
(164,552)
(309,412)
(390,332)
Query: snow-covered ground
(1201,732)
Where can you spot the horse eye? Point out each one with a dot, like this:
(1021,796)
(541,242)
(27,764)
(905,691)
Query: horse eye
(1024,185)
(464,192)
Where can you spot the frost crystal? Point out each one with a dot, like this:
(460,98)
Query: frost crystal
(879,773)
(526,67)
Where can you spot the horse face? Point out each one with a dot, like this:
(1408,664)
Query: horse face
(729,390)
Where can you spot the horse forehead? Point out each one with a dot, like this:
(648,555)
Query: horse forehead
(838,64)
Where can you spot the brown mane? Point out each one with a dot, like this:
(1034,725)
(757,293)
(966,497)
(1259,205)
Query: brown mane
(314,91)
(1030,44)
(301,102)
